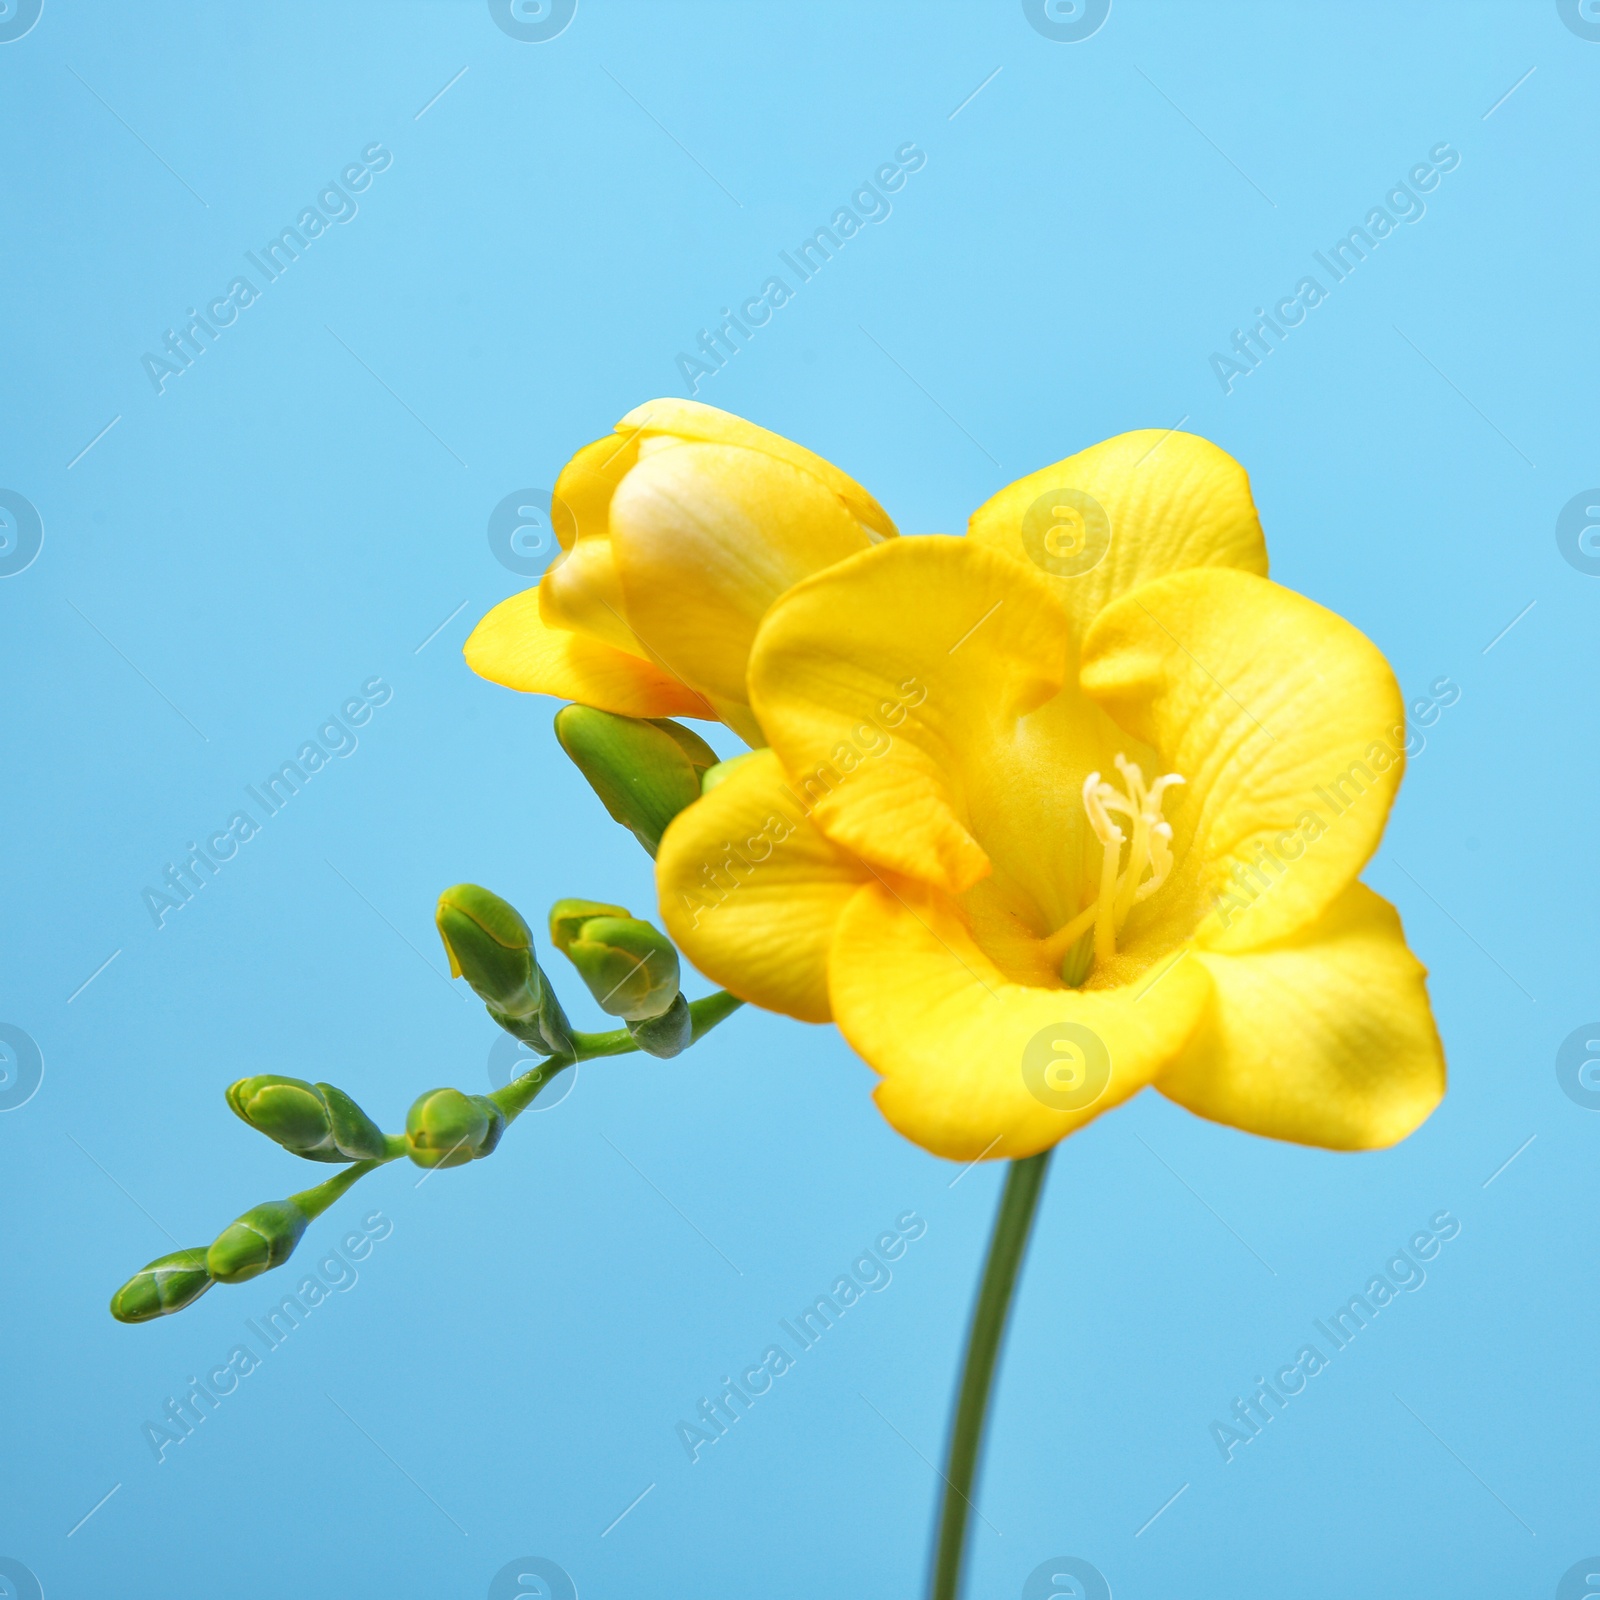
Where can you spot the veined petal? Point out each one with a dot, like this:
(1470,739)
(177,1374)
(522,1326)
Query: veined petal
(690,419)
(1325,1038)
(1288,725)
(514,646)
(1136,506)
(974,1064)
(750,890)
(706,537)
(963,639)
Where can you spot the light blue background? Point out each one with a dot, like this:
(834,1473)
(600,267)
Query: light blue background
(303,508)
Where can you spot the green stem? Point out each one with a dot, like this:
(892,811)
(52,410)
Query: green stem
(1007,1246)
(710,1010)
(315,1201)
(519,1094)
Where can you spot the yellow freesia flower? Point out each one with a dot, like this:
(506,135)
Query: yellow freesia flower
(677,532)
(1070,806)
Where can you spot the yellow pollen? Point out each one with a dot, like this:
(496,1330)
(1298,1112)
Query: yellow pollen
(1150,849)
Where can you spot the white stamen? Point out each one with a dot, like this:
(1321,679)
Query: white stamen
(1095,796)
(1151,846)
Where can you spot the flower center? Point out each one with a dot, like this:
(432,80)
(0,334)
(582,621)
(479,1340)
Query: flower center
(1121,887)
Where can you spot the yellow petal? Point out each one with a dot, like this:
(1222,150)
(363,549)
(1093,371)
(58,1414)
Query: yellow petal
(750,890)
(1134,507)
(581,502)
(1288,725)
(961,638)
(974,1064)
(1325,1038)
(513,645)
(706,537)
(689,419)
(582,590)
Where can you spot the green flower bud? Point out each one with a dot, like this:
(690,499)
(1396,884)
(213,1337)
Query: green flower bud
(445,1128)
(630,967)
(712,776)
(567,918)
(314,1120)
(668,1035)
(263,1238)
(168,1284)
(645,771)
(492,948)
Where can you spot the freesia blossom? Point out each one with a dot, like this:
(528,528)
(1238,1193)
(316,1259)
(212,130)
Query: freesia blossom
(677,531)
(1115,841)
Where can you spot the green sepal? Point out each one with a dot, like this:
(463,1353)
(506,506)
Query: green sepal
(446,1128)
(490,945)
(357,1136)
(668,1035)
(630,967)
(549,1032)
(263,1238)
(313,1120)
(167,1284)
(645,770)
